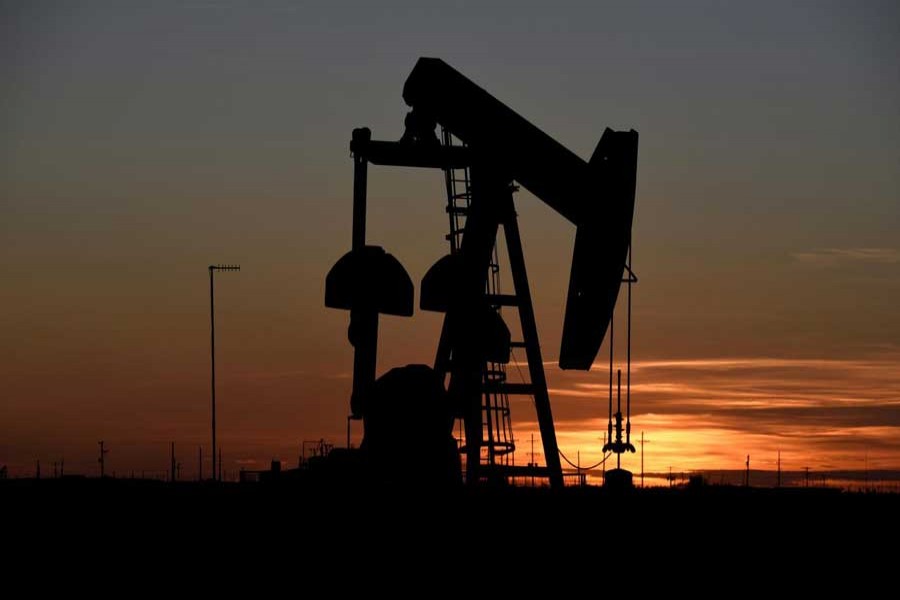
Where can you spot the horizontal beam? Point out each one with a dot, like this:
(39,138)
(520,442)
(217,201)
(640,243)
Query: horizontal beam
(401,154)
(503,300)
(507,142)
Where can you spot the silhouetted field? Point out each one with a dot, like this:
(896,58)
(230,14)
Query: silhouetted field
(392,538)
(238,504)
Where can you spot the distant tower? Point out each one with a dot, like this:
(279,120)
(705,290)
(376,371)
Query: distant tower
(212,352)
(533,463)
(642,457)
(102,459)
(747,477)
(779,469)
(604,462)
(867,472)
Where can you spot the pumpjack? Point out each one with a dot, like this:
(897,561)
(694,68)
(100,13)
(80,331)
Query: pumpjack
(484,147)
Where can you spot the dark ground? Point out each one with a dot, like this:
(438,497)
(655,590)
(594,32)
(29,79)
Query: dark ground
(271,531)
(100,504)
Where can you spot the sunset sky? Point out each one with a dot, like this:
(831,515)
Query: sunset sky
(143,141)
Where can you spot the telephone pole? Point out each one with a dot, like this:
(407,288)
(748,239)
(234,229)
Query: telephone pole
(779,469)
(747,480)
(102,459)
(212,351)
(533,463)
(867,472)
(642,458)
(604,462)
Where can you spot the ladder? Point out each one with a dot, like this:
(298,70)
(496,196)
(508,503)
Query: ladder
(498,443)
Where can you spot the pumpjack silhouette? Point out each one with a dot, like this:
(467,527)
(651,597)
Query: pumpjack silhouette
(484,146)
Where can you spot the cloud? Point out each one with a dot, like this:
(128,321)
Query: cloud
(709,413)
(836,257)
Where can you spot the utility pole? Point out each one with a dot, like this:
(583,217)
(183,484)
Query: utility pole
(779,469)
(173,475)
(747,479)
(604,462)
(578,467)
(642,459)
(807,476)
(533,463)
(199,463)
(102,459)
(212,351)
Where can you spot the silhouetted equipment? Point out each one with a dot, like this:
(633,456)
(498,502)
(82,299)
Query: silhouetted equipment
(312,451)
(102,459)
(408,419)
(619,478)
(497,147)
(212,354)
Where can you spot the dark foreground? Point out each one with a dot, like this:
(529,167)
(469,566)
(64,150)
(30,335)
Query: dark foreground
(278,526)
(254,505)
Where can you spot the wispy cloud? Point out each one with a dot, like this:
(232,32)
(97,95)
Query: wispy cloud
(710,413)
(836,257)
